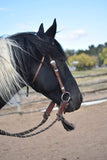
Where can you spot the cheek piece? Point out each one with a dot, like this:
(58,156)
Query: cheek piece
(65,98)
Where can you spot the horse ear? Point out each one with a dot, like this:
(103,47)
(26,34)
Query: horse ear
(52,30)
(40,32)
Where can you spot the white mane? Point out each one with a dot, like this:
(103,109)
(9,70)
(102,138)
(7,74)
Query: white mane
(9,77)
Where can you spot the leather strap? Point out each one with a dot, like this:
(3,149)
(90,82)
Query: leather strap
(53,63)
(36,74)
(65,95)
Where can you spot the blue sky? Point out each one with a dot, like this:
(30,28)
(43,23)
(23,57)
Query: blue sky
(80,22)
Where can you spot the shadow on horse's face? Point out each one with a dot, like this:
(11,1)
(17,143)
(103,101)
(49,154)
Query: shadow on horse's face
(47,82)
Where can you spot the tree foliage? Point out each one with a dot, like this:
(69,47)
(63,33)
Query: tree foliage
(69,52)
(82,61)
(103,55)
(97,52)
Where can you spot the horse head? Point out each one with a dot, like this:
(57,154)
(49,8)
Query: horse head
(46,81)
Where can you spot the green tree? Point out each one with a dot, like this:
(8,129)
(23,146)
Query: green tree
(103,56)
(69,52)
(92,50)
(83,61)
(95,60)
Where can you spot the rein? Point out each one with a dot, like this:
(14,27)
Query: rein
(65,97)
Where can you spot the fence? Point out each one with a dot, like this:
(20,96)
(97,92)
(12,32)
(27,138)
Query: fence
(92,75)
(18,98)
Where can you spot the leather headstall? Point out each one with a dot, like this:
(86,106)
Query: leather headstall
(65,97)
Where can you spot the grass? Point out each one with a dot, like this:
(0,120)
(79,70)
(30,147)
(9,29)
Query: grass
(90,72)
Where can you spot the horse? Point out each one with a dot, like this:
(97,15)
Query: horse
(23,53)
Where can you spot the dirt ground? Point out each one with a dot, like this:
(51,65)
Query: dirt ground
(87,142)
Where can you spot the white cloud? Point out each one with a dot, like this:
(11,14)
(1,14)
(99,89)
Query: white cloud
(3,9)
(73,39)
(71,35)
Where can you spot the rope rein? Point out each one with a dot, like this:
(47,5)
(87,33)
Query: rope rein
(26,134)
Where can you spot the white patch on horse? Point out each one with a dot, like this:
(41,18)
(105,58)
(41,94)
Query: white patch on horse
(9,77)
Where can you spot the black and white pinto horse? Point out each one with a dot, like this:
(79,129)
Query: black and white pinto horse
(20,57)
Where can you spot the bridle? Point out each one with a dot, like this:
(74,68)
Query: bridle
(65,98)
